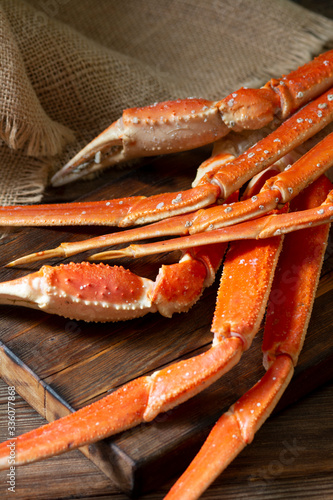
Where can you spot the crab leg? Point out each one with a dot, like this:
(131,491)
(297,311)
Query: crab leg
(285,329)
(174,226)
(262,228)
(278,189)
(231,176)
(141,400)
(185,124)
(138,401)
(233,431)
(178,225)
(170,227)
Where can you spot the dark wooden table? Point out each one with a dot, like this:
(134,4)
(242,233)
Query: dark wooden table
(291,456)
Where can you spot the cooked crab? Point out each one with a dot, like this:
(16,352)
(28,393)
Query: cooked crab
(98,292)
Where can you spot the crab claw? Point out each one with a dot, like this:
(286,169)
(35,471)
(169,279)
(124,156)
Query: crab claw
(98,292)
(82,292)
(161,128)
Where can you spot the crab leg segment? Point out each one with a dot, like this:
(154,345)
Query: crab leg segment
(295,286)
(185,124)
(58,214)
(296,282)
(245,284)
(136,402)
(118,212)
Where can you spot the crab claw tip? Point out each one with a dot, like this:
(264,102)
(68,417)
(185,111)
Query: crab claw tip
(103,151)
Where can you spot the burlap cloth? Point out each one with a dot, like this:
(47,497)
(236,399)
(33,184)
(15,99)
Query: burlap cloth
(69,67)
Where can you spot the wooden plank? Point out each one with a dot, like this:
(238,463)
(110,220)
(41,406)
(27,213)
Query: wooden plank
(75,363)
(51,407)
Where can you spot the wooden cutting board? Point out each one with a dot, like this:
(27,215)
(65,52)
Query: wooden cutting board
(58,365)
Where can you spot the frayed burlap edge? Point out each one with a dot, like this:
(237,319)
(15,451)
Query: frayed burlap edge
(24,124)
(47,139)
